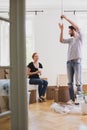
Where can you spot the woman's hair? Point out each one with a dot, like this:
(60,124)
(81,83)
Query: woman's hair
(34,54)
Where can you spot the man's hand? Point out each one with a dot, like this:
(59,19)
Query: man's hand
(60,26)
(70,21)
(63,16)
(61,32)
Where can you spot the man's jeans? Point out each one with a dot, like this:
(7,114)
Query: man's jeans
(74,69)
(42,85)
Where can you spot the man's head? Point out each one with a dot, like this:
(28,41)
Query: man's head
(72,31)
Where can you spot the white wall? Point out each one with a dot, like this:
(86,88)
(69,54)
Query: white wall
(52,54)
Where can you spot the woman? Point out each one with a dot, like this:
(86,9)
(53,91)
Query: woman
(34,72)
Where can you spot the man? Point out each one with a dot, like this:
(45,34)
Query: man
(74,56)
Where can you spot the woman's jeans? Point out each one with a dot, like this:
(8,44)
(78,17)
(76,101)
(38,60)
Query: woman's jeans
(42,85)
(74,69)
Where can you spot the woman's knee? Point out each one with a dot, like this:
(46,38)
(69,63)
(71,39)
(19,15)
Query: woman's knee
(45,83)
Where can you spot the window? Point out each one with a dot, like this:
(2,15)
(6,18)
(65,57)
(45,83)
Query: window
(29,40)
(4,44)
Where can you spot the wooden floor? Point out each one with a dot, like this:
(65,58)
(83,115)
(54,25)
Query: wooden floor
(5,123)
(41,117)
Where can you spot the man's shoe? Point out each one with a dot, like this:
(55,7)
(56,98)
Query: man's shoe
(79,93)
(70,102)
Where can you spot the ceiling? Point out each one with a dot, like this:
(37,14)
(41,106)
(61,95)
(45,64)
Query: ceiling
(66,4)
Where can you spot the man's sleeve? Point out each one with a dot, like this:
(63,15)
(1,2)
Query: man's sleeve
(67,41)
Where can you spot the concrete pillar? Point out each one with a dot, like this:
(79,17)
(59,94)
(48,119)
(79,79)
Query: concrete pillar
(19,109)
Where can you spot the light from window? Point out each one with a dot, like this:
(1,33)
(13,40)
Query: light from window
(29,40)
(4,44)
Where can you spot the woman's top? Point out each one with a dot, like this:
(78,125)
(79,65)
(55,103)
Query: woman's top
(34,69)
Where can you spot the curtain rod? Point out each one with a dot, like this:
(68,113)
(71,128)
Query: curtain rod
(35,11)
(74,11)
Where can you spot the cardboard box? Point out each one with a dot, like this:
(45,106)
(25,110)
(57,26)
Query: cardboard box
(32,96)
(56,91)
(63,94)
(50,92)
(84,87)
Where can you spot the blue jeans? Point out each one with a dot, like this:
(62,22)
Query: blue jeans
(42,85)
(74,69)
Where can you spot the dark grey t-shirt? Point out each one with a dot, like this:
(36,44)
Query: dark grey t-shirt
(75,47)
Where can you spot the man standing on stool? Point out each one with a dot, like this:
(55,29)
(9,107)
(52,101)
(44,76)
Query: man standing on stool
(34,72)
(74,56)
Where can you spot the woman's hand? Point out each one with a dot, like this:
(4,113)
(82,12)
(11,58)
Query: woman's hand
(39,71)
